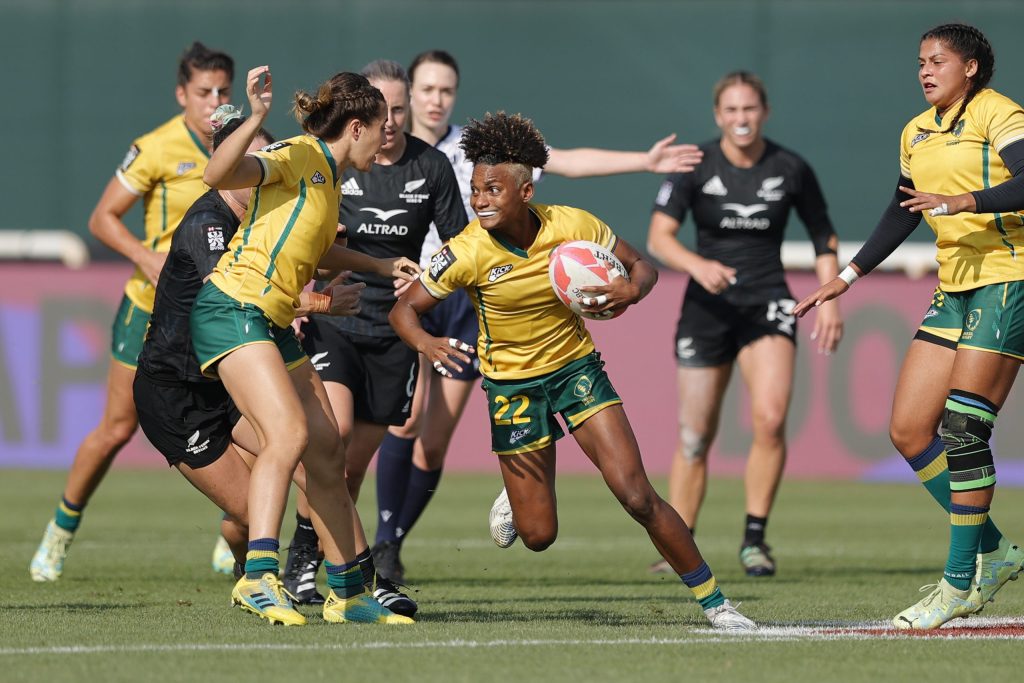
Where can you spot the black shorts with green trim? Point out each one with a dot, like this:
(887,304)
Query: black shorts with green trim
(128,333)
(523,410)
(221,324)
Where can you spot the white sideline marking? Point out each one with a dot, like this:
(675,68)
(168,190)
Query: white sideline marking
(818,631)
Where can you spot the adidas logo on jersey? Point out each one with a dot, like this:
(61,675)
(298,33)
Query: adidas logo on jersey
(715,187)
(351,188)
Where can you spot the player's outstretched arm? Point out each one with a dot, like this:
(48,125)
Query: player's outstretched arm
(828,324)
(340,258)
(444,353)
(662,157)
(229,168)
(830,290)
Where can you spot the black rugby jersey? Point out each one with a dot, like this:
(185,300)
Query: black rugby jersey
(197,245)
(741,215)
(387,212)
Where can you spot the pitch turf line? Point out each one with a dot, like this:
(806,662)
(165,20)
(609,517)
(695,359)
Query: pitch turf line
(1000,628)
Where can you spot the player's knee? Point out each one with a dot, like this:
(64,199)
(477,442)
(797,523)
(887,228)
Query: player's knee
(966,432)
(538,536)
(908,439)
(693,444)
(640,504)
(117,431)
(433,454)
(769,424)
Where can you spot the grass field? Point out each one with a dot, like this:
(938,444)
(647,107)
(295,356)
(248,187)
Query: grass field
(138,600)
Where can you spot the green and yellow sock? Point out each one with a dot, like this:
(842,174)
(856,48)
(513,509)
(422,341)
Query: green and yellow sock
(702,582)
(932,469)
(68,515)
(262,557)
(346,580)
(965,525)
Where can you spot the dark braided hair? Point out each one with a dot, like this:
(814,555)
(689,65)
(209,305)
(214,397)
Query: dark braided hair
(344,97)
(504,139)
(970,43)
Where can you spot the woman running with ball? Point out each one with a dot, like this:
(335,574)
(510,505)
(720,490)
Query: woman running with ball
(536,355)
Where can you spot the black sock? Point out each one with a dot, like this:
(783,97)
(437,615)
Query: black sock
(305,534)
(393,464)
(754,532)
(422,484)
(365,560)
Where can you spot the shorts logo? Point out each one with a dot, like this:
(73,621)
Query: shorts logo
(583,390)
(196,449)
(971,324)
(185,166)
(781,312)
(318,361)
(932,313)
(318,178)
(130,157)
(440,262)
(498,272)
(684,348)
(519,435)
(920,137)
(215,237)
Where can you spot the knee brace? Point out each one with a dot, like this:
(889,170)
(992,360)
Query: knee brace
(694,446)
(966,429)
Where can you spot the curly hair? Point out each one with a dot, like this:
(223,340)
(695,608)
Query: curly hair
(504,139)
(969,43)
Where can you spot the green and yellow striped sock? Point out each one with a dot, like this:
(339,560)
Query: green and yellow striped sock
(262,557)
(965,524)
(68,515)
(346,580)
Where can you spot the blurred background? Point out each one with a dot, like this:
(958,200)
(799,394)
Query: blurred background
(85,78)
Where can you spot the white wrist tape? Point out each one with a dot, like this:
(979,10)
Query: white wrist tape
(849,276)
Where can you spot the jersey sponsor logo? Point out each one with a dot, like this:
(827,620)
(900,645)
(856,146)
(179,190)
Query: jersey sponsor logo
(971,324)
(130,157)
(383,228)
(215,237)
(274,146)
(584,390)
(498,272)
(440,262)
(196,448)
(664,193)
(318,362)
(318,178)
(771,189)
(920,137)
(351,188)
(742,220)
(185,166)
(715,187)
(410,195)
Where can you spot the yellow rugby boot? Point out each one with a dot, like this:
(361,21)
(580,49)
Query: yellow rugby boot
(266,598)
(362,608)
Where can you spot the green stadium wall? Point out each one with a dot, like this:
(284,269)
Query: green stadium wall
(85,77)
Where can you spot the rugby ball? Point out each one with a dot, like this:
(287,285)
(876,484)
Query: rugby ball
(577,264)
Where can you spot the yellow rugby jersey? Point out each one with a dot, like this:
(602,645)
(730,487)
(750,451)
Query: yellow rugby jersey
(164,167)
(525,331)
(290,224)
(973,249)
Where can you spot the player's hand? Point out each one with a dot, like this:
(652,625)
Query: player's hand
(664,157)
(713,276)
(615,296)
(826,292)
(937,204)
(297,327)
(345,296)
(400,268)
(447,354)
(151,265)
(828,327)
(260,94)
(341,236)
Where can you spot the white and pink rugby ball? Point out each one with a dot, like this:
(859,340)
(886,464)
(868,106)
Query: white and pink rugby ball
(577,264)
